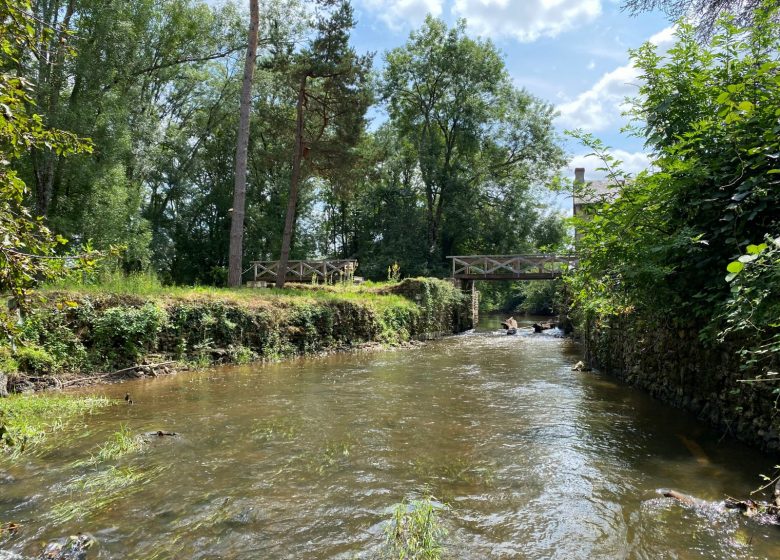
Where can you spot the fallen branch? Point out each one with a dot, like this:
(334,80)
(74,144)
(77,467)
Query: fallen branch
(113,373)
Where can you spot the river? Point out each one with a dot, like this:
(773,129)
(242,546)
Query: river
(306,459)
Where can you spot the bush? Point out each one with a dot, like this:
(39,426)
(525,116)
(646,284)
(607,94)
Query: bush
(123,333)
(8,363)
(33,359)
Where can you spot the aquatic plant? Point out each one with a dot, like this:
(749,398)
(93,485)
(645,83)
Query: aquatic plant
(284,429)
(96,490)
(414,532)
(27,420)
(121,443)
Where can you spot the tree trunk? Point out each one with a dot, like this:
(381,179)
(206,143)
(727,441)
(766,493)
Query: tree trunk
(45,161)
(289,221)
(235,255)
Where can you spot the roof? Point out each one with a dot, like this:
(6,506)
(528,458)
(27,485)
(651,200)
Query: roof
(595,191)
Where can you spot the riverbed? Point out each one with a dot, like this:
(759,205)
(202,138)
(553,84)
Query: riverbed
(307,458)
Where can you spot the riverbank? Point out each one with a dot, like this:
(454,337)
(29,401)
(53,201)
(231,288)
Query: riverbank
(87,334)
(672,364)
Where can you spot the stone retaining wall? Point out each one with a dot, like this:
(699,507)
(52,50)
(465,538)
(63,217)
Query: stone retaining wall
(673,365)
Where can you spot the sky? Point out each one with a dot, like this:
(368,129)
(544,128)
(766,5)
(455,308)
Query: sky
(570,53)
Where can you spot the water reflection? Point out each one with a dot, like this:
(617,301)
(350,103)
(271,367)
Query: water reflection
(305,459)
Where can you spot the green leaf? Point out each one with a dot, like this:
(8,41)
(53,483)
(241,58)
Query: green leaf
(735,267)
(756,249)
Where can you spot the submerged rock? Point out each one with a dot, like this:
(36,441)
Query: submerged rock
(74,548)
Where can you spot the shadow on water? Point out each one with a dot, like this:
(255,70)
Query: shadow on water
(306,459)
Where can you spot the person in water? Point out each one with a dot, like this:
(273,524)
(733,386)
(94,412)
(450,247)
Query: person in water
(510,323)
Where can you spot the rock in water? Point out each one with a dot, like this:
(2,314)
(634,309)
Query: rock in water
(580,366)
(75,548)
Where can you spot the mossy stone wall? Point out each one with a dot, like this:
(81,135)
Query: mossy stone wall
(672,364)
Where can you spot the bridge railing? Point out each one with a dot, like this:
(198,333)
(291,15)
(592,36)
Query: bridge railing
(499,267)
(305,271)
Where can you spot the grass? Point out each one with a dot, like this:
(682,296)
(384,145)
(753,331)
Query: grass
(27,421)
(147,285)
(121,443)
(414,531)
(97,490)
(283,429)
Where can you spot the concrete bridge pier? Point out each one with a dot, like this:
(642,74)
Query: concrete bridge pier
(469,287)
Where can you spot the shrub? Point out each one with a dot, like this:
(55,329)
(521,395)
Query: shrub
(33,359)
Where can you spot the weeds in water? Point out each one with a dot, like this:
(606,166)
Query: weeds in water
(26,421)
(461,470)
(333,453)
(99,490)
(121,443)
(283,429)
(414,532)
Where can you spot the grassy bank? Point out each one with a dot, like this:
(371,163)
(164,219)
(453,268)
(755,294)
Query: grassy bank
(84,330)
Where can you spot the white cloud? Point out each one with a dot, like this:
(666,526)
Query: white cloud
(398,14)
(664,38)
(633,163)
(525,20)
(600,107)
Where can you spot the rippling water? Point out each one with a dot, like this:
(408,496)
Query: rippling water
(305,459)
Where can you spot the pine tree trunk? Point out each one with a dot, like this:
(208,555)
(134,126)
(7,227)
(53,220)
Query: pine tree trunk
(235,256)
(289,221)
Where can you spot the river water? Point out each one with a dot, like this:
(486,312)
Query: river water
(306,459)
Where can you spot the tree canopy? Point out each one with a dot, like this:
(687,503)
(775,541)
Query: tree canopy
(477,142)
(155,85)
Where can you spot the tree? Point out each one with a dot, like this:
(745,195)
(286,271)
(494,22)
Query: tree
(479,142)
(703,13)
(136,66)
(332,90)
(27,246)
(242,143)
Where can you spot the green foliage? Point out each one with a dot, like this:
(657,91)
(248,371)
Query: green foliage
(394,272)
(123,333)
(752,309)
(414,532)
(32,359)
(121,443)
(8,363)
(540,297)
(106,330)
(98,490)
(664,239)
(709,113)
(27,247)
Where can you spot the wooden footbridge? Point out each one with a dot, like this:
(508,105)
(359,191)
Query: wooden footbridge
(511,267)
(323,271)
(467,269)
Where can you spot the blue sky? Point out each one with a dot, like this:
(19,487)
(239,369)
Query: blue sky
(571,53)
